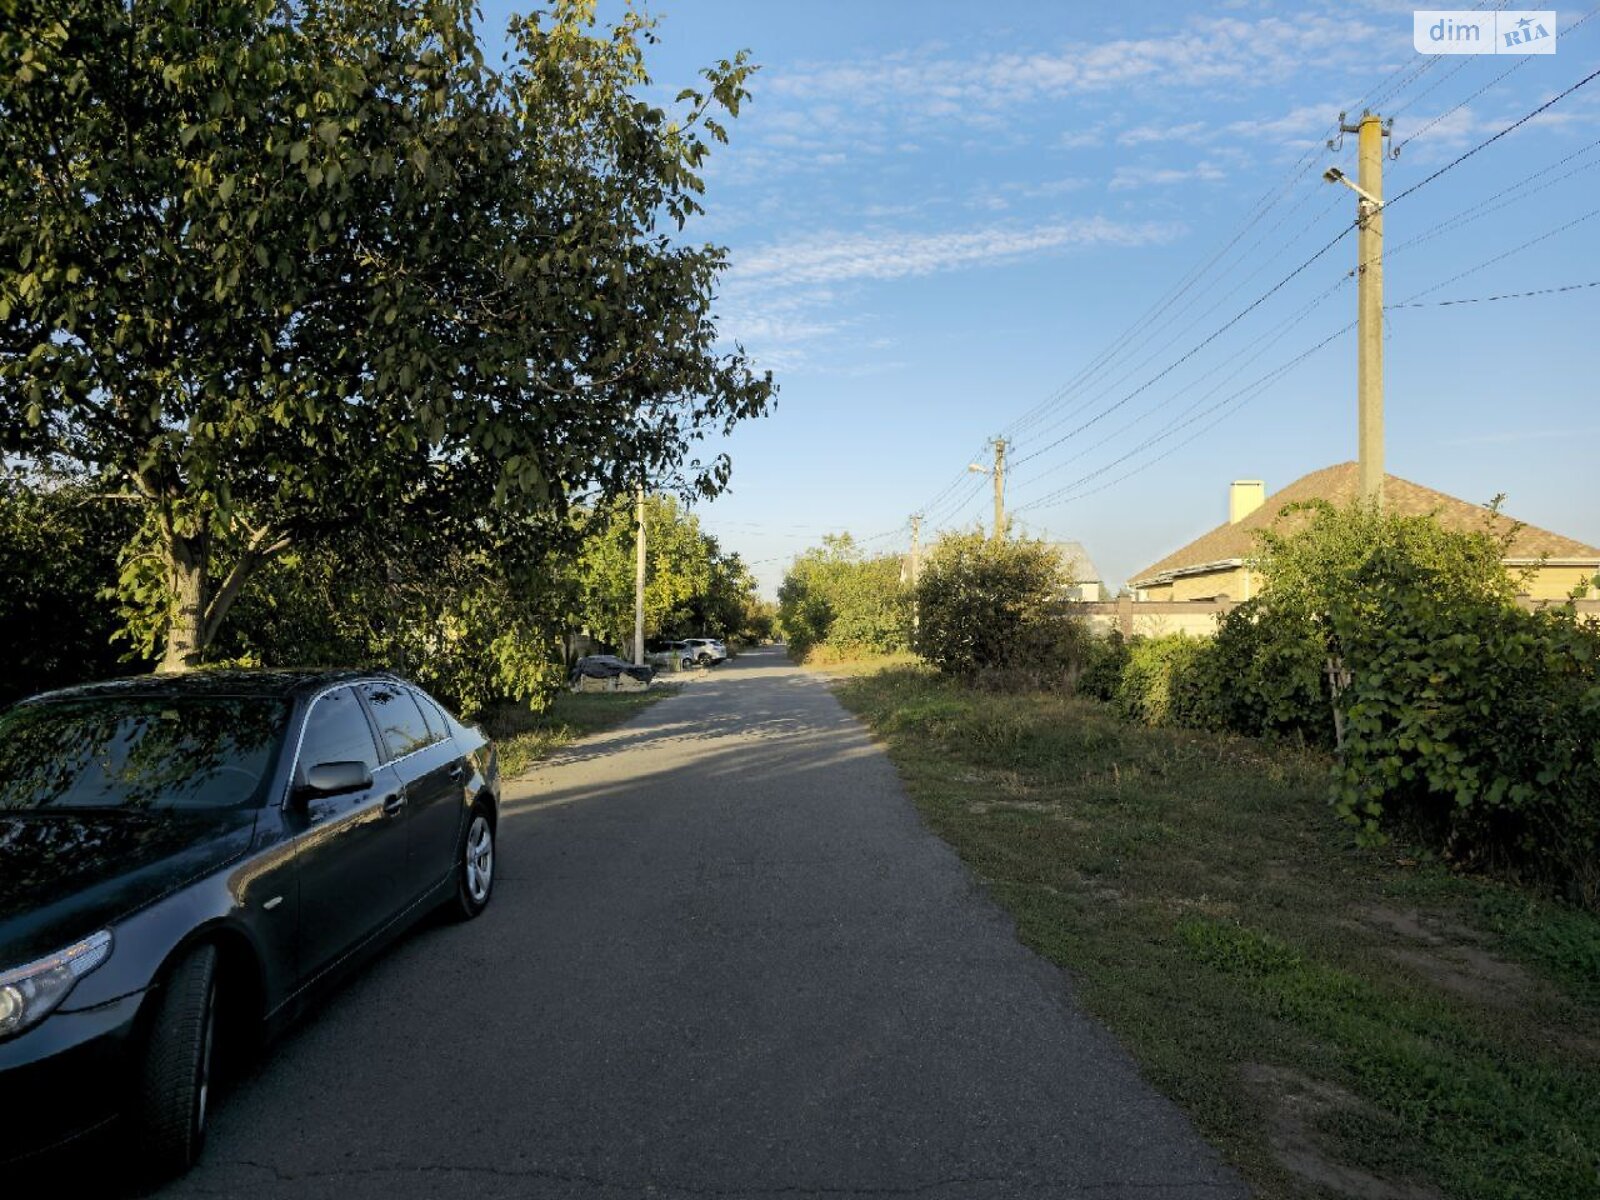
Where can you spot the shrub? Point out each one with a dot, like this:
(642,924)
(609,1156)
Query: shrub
(992,609)
(1159,684)
(1266,675)
(835,596)
(1478,726)
(1104,661)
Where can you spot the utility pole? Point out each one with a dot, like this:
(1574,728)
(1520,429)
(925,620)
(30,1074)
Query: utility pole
(638,580)
(916,566)
(999,489)
(1370,130)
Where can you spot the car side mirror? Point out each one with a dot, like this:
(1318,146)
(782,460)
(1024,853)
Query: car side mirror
(332,778)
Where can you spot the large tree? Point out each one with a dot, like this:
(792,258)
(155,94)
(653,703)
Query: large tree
(285,268)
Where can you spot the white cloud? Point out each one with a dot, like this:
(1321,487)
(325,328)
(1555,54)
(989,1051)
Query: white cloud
(1125,178)
(1297,126)
(837,258)
(1140,135)
(1206,51)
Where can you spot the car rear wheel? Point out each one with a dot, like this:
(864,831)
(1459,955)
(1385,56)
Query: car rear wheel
(475,864)
(173,1084)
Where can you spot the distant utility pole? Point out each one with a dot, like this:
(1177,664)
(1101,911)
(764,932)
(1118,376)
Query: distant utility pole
(1370,130)
(916,547)
(999,489)
(638,580)
(997,475)
(916,565)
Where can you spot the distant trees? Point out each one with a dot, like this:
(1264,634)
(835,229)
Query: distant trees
(285,276)
(837,596)
(692,586)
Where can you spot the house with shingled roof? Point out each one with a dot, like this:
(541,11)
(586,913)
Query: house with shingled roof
(1213,566)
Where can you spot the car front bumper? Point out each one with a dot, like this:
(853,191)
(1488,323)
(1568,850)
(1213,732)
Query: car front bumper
(65,1077)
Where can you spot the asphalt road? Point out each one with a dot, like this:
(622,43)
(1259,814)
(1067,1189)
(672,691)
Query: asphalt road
(724,958)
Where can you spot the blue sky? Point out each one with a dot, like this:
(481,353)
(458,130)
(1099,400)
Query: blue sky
(946,217)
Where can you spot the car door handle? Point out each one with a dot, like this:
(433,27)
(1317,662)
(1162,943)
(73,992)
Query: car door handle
(392,804)
(457,773)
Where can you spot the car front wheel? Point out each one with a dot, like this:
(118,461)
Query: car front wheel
(475,864)
(173,1081)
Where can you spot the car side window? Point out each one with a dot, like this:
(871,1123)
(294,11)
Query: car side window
(434,713)
(337,731)
(400,720)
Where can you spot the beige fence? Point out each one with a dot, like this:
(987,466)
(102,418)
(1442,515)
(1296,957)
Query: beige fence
(1151,618)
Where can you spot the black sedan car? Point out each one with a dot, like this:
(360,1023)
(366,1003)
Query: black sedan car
(183,859)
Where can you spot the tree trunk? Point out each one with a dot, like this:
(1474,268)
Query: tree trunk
(189,590)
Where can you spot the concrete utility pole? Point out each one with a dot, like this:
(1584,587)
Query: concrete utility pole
(999,489)
(1370,130)
(916,547)
(916,565)
(638,580)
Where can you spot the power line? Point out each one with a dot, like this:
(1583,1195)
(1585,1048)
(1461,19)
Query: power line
(1241,281)
(1489,262)
(1303,266)
(1274,336)
(1242,396)
(1516,66)
(1069,492)
(1487,142)
(1195,349)
(1549,291)
(1262,206)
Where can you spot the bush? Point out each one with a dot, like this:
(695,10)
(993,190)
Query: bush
(1266,674)
(1478,727)
(992,609)
(1104,660)
(837,597)
(1161,683)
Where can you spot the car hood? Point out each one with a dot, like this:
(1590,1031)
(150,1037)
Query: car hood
(64,875)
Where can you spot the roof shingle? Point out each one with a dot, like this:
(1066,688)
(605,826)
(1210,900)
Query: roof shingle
(1339,485)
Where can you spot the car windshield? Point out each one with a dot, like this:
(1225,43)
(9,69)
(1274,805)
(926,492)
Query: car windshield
(139,753)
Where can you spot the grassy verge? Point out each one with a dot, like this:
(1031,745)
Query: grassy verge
(1339,1022)
(839,664)
(524,737)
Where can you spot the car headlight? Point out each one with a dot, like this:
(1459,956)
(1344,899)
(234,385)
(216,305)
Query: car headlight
(29,993)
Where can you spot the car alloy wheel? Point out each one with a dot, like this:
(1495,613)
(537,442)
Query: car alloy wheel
(480,859)
(475,865)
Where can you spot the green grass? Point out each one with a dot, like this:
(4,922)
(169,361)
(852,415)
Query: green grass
(1215,916)
(523,736)
(824,660)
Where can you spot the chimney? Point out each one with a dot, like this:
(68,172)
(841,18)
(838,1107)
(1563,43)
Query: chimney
(1244,497)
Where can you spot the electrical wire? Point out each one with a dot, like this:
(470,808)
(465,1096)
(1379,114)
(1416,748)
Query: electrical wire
(1201,345)
(1238,399)
(1549,291)
(1487,142)
(1516,66)
(1263,345)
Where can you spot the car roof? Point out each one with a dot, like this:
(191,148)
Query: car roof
(268,682)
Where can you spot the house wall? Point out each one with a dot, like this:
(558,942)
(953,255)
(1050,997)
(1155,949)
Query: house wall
(1232,583)
(1555,583)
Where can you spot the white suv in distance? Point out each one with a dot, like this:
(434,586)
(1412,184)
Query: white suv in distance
(702,652)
